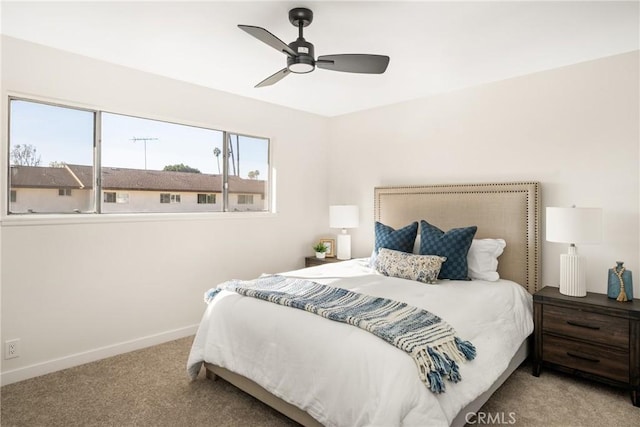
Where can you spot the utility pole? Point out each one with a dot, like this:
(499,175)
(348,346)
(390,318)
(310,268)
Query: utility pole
(134,139)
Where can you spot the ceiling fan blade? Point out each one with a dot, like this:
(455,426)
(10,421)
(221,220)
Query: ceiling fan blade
(268,38)
(354,63)
(274,78)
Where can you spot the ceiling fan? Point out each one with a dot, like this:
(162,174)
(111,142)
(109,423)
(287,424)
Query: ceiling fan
(300,53)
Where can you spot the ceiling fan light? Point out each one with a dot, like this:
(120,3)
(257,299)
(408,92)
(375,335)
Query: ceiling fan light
(301,64)
(301,68)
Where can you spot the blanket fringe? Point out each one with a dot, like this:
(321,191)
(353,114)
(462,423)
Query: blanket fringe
(437,363)
(466,348)
(211,294)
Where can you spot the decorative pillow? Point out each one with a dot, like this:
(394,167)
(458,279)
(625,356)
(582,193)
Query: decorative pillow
(399,240)
(482,258)
(423,268)
(454,245)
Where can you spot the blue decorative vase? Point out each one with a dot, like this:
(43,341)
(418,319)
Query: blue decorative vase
(620,283)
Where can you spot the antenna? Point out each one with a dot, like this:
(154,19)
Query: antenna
(134,139)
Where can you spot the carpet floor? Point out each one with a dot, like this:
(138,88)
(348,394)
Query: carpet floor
(150,387)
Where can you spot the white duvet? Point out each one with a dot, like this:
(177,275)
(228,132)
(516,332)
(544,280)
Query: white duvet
(344,376)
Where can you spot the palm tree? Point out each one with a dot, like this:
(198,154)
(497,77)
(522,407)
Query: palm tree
(216,152)
(234,155)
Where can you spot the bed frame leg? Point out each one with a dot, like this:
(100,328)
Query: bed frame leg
(210,374)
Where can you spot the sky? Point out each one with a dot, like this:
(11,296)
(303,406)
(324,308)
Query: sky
(66,135)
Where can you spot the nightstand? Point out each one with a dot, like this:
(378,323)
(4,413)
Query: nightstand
(311,261)
(593,337)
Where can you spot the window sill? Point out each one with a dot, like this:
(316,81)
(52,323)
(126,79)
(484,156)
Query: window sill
(66,219)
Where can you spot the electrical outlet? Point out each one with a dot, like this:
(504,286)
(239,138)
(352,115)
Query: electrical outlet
(12,349)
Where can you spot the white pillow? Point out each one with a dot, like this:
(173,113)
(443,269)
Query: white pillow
(482,258)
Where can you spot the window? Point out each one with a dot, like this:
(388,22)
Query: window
(109,197)
(248,166)
(206,198)
(140,160)
(245,199)
(122,198)
(160,157)
(50,144)
(14,196)
(113,197)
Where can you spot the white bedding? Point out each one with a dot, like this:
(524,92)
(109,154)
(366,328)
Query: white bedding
(344,376)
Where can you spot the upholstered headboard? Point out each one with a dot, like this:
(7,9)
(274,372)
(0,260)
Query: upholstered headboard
(510,211)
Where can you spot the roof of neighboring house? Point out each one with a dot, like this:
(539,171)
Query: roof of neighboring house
(42,177)
(83,173)
(81,176)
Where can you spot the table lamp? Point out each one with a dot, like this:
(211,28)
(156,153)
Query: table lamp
(343,216)
(573,225)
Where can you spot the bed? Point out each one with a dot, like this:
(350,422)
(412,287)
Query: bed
(315,371)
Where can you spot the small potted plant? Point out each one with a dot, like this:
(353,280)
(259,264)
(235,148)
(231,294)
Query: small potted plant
(321,250)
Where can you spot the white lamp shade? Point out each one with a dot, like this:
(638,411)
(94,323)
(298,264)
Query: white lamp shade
(574,225)
(344,216)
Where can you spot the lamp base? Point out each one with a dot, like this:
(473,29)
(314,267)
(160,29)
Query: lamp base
(344,246)
(572,275)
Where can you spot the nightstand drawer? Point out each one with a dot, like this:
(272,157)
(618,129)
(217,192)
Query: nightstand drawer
(584,325)
(595,359)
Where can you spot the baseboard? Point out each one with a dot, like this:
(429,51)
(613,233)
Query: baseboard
(77,359)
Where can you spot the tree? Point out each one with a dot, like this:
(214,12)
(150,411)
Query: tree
(180,168)
(217,152)
(25,155)
(57,164)
(232,157)
(254,174)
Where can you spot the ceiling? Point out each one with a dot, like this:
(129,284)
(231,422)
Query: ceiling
(435,47)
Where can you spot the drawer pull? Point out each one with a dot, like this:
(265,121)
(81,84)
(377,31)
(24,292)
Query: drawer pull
(582,325)
(583,357)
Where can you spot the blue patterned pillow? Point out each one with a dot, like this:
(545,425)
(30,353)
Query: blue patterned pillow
(401,240)
(454,244)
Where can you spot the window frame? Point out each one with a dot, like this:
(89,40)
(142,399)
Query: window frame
(97,190)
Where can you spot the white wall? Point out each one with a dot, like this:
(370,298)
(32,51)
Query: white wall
(574,129)
(77,289)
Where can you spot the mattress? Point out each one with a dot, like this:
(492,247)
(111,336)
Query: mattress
(342,375)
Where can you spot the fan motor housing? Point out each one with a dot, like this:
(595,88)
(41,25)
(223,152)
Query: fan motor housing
(304,62)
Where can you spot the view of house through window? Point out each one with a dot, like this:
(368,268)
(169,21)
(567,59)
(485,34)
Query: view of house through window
(145,165)
(162,166)
(45,141)
(248,165)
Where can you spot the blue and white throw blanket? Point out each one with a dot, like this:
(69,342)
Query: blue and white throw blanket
(429,340)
